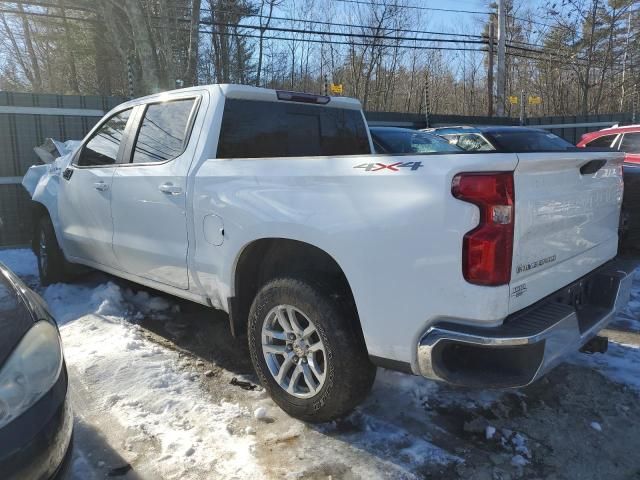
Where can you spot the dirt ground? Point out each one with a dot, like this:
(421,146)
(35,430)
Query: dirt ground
(549,424)
(576,423)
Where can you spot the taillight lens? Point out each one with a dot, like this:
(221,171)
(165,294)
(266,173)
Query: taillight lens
(488,249)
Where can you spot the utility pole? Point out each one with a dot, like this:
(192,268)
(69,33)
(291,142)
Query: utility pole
(634,105)
(490,71)
(426,99)
(326,85)
(523,113)
(130,75)
(502,33)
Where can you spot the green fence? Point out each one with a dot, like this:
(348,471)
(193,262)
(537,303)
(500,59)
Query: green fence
(27,119)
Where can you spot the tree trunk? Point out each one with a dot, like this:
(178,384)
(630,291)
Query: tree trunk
(33,58)
(144,46)
(75,87)
(194,42)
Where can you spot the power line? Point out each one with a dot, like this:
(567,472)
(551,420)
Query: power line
(301,31)
(48,15)
(252,15)
(342,34)
(271,28)
(415,7)
(51,5)
(335,42)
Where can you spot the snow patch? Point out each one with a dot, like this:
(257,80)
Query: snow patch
(260,413)
(20,261)
(621,363)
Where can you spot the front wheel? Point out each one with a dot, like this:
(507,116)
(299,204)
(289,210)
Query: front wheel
(307,352)
(51,261)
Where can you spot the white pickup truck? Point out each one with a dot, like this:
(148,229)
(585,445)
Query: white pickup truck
(476,269)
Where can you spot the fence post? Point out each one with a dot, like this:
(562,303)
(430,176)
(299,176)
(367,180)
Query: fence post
(426,99)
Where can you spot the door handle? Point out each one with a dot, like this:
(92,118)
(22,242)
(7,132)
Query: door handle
(170,189)
(101,186)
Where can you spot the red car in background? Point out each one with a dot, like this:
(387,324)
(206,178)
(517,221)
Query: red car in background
(625,139)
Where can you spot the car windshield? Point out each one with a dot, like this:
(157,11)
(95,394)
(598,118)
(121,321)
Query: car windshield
(470,142)
(400,140)
(528,141)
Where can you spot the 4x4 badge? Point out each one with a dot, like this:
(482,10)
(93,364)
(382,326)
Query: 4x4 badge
(394,167)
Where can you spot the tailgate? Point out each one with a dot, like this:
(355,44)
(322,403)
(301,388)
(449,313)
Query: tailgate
(567,210)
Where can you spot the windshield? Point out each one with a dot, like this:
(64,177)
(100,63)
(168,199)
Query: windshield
(471,142)
(401,140)
(528,141)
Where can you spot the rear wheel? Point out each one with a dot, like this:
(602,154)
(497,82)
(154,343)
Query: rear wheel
(307,352)
(51,261)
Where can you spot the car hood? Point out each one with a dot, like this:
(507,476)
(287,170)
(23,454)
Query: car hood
(15,316)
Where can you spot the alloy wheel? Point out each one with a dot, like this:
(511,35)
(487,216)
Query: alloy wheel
(294,351)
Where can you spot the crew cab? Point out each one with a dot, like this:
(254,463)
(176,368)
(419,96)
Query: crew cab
(474,269)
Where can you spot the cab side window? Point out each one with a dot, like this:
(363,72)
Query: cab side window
(630,143)
(164,131)
(102,148)
(603,141)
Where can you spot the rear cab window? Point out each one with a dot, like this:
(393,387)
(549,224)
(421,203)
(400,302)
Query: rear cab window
(263,129)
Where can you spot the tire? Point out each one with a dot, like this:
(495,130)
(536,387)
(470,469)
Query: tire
(51,261)
(336,362)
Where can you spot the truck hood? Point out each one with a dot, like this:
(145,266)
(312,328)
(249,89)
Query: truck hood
(56,156)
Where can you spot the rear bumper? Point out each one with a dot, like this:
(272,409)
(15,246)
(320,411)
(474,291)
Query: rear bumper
(530,342)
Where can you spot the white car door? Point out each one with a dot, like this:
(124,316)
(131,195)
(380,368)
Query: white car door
(84,198)
(148,203)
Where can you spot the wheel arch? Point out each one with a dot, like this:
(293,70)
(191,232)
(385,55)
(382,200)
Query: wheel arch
(268,258)
(37,211)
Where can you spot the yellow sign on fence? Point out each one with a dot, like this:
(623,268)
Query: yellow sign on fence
(513,99)
(535,100)
(336,88)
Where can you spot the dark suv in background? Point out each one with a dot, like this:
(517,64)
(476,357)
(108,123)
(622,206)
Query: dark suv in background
(502,139)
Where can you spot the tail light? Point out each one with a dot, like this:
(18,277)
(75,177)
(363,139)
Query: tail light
(488,249)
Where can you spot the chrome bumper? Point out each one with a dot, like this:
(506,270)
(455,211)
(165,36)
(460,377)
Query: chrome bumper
(530,342)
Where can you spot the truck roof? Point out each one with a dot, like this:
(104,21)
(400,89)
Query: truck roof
(245,92)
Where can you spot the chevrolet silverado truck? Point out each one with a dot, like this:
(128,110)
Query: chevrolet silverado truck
(478,269)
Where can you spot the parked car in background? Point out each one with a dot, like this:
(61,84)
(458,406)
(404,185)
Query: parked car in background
(35,416)
(503,139)
(480,270)
(405,140)
(623,139)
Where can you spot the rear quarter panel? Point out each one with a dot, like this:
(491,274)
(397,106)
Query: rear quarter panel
(397,234)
